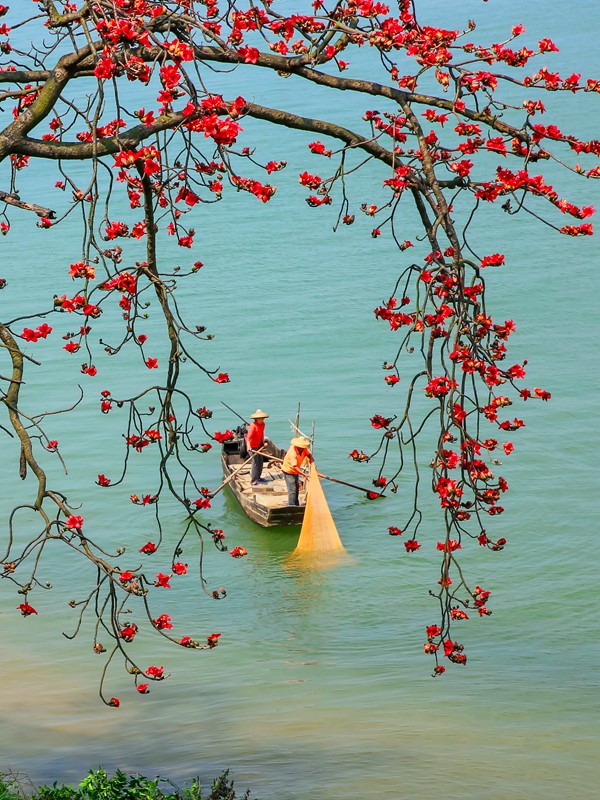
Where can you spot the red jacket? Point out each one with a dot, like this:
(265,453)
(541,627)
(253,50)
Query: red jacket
(255,438)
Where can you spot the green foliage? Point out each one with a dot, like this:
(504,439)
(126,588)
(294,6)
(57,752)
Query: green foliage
(222,789)
(6,790)
(98,785)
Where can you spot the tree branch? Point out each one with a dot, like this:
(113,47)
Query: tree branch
(15,200)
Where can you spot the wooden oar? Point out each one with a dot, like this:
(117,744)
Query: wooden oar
(333,480)
(345,483)
(235,472)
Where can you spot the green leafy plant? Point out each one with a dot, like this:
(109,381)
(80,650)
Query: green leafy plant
(99,785)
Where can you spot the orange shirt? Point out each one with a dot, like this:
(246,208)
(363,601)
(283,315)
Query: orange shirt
(294,459)
(256,436)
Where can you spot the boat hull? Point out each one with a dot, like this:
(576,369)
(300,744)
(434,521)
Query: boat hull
(265,504)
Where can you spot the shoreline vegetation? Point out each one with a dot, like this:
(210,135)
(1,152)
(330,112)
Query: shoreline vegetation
(98,785)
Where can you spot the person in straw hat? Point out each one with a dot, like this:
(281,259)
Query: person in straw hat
(255,438)
(295,457)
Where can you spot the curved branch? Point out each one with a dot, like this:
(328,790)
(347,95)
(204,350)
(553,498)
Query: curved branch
(11,401)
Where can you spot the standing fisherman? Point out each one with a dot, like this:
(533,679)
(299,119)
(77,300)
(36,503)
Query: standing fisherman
(292,466)
(255,438)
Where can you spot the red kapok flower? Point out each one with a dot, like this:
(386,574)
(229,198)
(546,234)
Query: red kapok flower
(355,455)
(202,502)
(155,672)
(26,609)
(448,647)
(128,632)
(378,421)
(162,622)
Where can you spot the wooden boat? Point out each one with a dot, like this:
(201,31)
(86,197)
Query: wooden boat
(266,503)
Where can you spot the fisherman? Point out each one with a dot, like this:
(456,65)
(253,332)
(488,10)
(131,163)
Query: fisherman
(255,439)
(295,457)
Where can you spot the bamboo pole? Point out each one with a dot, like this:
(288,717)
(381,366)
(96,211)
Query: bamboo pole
(298,432)
(333,480)
(345,483)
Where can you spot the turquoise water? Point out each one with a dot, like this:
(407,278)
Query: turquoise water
(319,687)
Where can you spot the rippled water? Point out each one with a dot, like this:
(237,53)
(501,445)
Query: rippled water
(319,687)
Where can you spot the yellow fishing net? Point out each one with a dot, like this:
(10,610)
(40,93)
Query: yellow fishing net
(318,533)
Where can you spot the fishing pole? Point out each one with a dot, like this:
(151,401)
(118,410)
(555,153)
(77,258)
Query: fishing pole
(235,412)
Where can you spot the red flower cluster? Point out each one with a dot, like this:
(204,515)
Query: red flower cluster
(41,332)
(224,436)
(440,387)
